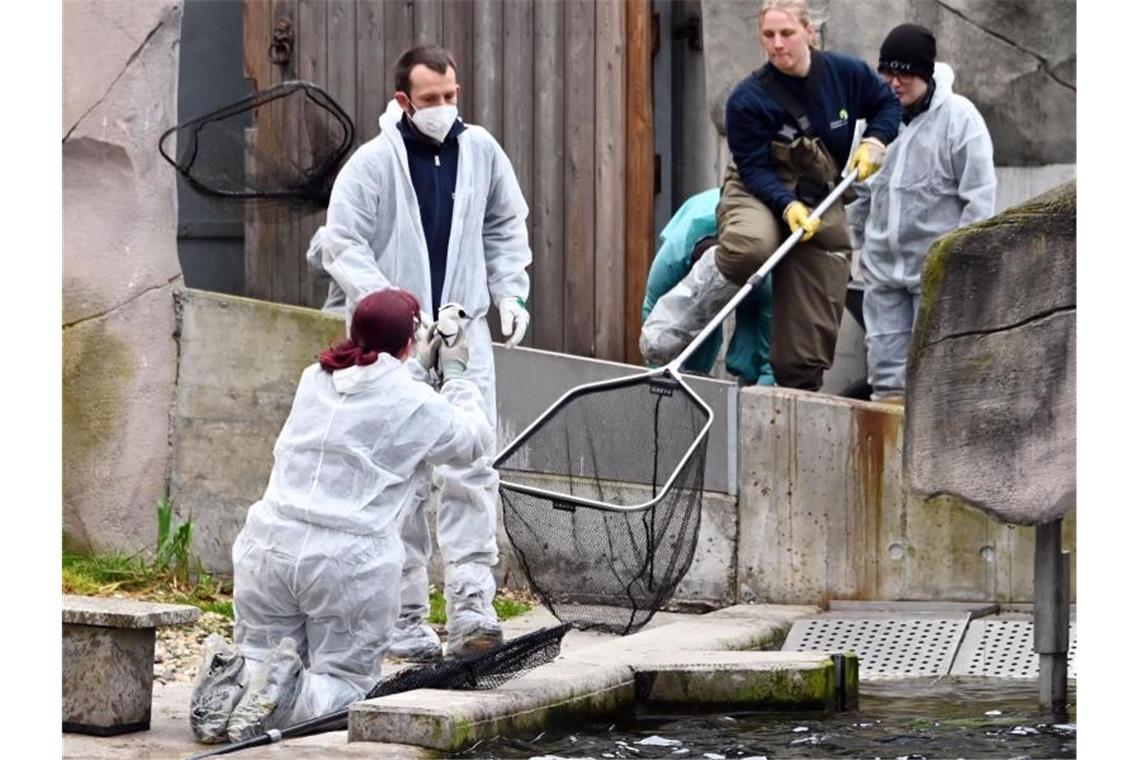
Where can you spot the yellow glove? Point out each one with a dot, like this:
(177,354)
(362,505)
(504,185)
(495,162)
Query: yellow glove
(796,215)
(868,158)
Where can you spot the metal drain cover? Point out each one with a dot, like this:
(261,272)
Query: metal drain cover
(1002,647)
(887,644)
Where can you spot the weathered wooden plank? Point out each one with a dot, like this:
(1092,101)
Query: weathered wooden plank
(487,81)
(373,82)
(257,21)
(547,205)
(398,37)
(429,22)
(342,76)
(458,20)
(313,58)
(579,306)
(639,168)
(609,141)
(518,98)
(287,260)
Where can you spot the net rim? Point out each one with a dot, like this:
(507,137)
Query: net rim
(700,440)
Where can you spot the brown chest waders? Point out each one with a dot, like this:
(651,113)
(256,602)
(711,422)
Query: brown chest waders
(810,283)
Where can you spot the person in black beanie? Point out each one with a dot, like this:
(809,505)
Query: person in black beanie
(906,61)
(938,175)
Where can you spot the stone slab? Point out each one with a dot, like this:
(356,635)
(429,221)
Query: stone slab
(124,613)
(740,680)
(557,692)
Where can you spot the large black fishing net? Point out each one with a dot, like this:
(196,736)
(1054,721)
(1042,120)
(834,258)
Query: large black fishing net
(285,143)
(602,498)
(488,670)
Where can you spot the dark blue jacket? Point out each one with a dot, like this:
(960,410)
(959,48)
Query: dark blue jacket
(433,167)
(846,89)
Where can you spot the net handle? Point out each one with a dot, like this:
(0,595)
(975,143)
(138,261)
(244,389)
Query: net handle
(759,274)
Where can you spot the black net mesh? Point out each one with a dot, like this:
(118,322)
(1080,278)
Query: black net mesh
(285,143)
(626,444)
(479,671)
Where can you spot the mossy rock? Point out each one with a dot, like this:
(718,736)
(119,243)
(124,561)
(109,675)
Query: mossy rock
(991,378)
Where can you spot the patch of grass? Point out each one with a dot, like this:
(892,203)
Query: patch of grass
(173,576)
(507,606)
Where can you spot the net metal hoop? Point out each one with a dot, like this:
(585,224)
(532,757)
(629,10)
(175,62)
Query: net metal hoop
(312,93)
(581,390)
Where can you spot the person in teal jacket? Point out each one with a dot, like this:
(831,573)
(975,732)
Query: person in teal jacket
(693,227)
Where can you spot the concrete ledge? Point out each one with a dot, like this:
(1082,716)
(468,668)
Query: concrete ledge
(124,613)
(776,680)
(603,680)
(452,720)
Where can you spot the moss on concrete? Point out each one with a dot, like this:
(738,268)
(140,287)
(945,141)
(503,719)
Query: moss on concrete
(799,689)
(611,702)
(97,368)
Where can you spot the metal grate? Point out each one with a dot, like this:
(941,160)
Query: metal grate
(913,646)
(1003,648)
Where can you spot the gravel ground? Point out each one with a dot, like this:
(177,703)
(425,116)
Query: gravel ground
(178,649)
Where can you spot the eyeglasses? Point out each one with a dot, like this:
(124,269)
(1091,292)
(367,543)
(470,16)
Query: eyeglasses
(904,77)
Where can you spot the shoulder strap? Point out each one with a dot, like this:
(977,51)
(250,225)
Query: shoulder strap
(787,101)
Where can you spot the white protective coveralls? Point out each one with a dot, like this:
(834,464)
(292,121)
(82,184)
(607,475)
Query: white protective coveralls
(373,238)
(937,175)
(320,556)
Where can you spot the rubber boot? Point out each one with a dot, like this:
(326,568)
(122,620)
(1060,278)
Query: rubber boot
(218,687)
(472,625)
(270,695)
(679,315)
(415,641)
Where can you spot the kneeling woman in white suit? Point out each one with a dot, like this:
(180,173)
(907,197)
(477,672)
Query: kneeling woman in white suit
(317,565)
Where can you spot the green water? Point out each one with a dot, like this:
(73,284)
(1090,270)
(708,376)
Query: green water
(907,718)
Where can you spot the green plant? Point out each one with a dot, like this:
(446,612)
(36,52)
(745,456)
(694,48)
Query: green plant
(172,553)
(506,607)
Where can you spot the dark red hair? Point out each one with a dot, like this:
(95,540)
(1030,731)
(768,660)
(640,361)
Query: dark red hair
(383,322)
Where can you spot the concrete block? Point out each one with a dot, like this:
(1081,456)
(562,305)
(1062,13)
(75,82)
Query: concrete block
(108,677)
(740,680)
(559,692)
(108,662)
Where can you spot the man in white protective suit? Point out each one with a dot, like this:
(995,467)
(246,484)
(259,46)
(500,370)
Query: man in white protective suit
(432,205)
(318,561)
(938,175)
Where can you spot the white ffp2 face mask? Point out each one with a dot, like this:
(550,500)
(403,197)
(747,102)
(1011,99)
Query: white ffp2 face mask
(435,122)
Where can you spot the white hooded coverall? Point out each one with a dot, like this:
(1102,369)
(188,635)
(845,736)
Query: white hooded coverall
(373,238)
(320,556)
(938,175)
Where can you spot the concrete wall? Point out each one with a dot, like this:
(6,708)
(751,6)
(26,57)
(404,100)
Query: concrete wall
(825,513)
(822,513)
(238,366)
(120,265)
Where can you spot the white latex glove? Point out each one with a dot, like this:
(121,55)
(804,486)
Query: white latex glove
(453,351)
(427,343)
(449,326)
(512,312)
